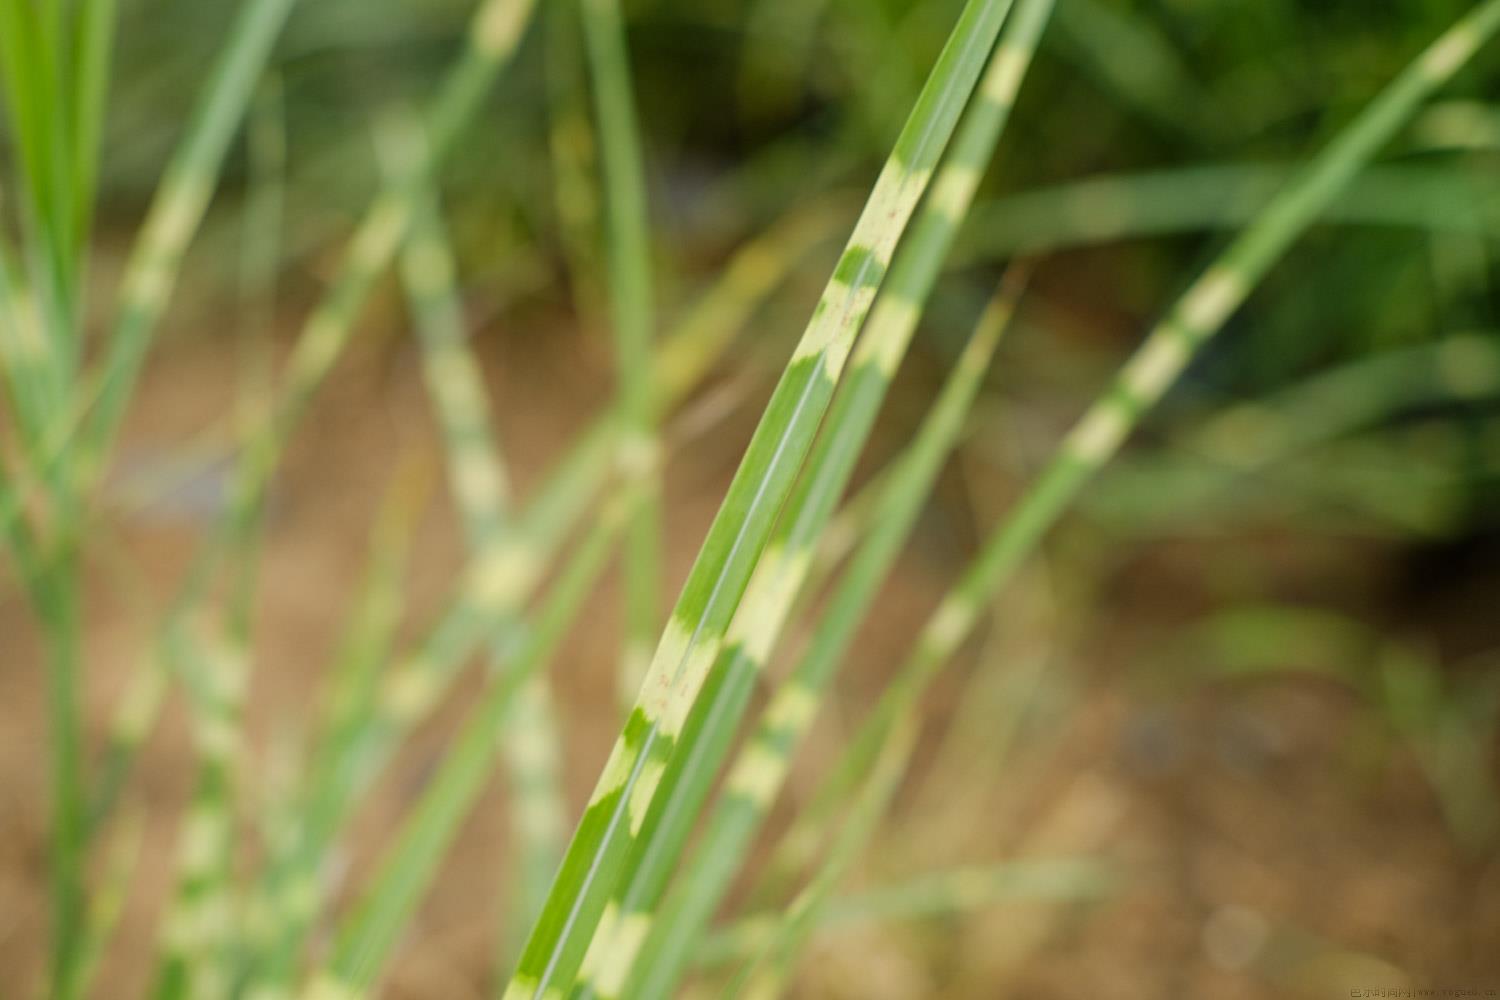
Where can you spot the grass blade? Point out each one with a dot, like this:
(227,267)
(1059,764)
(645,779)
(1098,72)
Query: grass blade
(32,58)
(571,143)
(630,295)
(173,219)
(757,773)
(479,484)
(777,579)
(93,37)
(695,630)
(925,896)
(58,606)
(367,937)
(534,762)
(199,928)
(766,975)
(1106,208)
(287,899)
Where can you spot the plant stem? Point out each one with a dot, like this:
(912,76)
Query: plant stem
(61,621)
(630,292)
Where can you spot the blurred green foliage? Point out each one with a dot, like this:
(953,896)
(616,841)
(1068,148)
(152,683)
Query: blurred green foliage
(746,105)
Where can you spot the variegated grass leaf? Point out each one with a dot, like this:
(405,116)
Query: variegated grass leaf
(695,631)
(671,929)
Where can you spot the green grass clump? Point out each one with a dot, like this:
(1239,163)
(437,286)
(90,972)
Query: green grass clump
(624,909)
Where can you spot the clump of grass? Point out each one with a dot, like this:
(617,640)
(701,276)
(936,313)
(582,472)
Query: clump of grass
(622,916)
(56,66)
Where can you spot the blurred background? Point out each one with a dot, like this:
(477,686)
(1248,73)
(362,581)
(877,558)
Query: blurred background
(1253,672)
